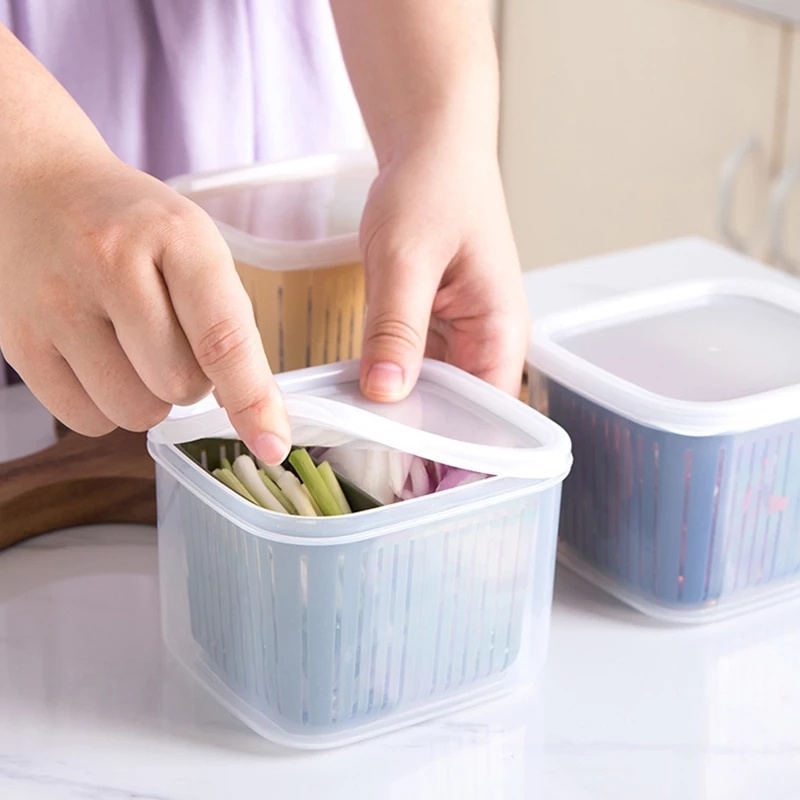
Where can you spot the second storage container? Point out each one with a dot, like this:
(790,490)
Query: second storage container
(683,405)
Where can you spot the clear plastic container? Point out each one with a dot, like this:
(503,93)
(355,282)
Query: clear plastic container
(318,632)
(292,228)
(683,406)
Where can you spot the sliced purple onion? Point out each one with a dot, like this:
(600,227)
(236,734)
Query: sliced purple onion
(391,476)
(455,477)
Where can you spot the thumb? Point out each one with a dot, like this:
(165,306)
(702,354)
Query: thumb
(400,294)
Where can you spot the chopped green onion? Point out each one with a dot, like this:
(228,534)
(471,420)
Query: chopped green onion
(277,491)
(227,477)
(278,488)
(329,477)
(314,504)
(307,470)
(245,470)
(293,489)
(274,473)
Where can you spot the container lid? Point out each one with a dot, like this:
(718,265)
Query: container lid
(698,358)
(299,214)
(450,417)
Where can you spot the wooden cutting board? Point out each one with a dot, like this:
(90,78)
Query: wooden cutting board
(77,481)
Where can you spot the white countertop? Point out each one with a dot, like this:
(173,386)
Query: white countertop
(92,708)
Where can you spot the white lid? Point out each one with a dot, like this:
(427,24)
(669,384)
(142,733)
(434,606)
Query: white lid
(450,417)
(298,214)
(699,359)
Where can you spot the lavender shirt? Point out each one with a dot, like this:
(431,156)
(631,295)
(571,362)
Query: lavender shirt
(181,86)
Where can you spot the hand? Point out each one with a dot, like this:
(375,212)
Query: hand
(119,298)
(443,276)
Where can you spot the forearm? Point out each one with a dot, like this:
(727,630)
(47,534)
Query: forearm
(41,126)
(422,70)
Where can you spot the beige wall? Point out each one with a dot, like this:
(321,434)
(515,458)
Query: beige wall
(622,118)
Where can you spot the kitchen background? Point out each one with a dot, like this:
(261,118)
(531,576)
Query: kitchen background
(632,121)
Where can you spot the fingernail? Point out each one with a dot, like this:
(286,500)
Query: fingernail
(385,381)
(270,449)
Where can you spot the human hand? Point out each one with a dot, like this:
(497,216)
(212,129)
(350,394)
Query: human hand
(443,276)
(119,298)
(441,266)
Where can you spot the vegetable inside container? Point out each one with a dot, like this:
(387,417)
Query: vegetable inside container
(325,482)
(452,430)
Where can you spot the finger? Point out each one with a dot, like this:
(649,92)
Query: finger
(217,318)
(497,343)
(495,353)
(436,346)
(480,322)
(491,345)
(108,377)
(153,341)
(52,381)
(401,286)
(506,373)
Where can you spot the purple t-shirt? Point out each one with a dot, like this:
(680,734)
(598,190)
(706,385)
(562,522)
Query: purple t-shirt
(179,86)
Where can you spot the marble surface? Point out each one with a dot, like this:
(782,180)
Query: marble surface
(91,707)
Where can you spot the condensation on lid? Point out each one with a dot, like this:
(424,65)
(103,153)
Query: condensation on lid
(696,358)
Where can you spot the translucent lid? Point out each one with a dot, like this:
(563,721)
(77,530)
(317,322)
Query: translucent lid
(290,215)
(450,417)
(696,358)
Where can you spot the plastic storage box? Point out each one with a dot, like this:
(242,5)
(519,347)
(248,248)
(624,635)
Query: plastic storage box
(292,228)
(317,632)
(683,406)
